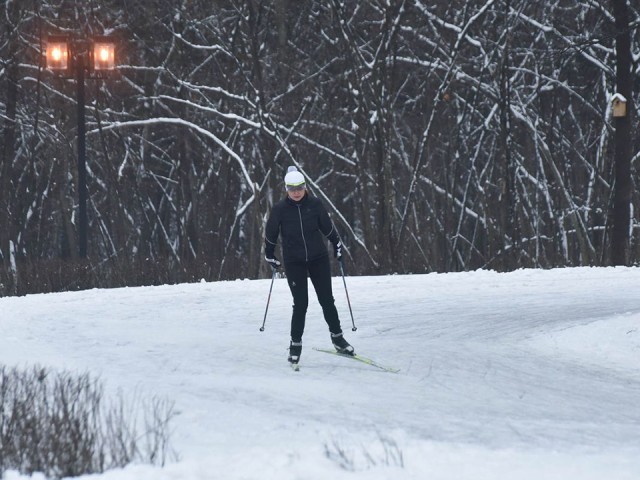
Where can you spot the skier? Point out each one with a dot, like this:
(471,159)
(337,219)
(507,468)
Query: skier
(304,224)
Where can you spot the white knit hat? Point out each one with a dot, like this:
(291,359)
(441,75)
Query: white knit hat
(293,178)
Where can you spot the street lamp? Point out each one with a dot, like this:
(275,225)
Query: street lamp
(104,54)
(71,57)
(58,53)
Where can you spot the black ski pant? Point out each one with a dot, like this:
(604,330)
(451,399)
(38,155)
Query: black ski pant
(319,271)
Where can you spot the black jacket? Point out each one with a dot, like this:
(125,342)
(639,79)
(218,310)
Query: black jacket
(303,225)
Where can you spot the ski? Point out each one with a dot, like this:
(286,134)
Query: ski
(295,367)
(359,358)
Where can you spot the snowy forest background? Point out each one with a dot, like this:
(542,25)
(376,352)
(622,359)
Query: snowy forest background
(443,136)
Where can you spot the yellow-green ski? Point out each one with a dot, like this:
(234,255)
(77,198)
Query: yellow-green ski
(359,358)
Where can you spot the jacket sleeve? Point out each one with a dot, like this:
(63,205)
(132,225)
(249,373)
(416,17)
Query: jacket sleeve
(271,233)
(326,225)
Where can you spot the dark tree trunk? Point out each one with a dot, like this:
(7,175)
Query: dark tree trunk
(622,159)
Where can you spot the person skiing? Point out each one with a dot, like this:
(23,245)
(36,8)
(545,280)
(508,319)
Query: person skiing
(303,223)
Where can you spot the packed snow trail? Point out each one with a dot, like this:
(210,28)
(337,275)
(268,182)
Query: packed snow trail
(529,374)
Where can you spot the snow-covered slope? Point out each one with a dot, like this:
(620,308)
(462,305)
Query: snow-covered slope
(526,375)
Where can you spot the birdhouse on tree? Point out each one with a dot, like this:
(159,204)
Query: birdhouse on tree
(619,105)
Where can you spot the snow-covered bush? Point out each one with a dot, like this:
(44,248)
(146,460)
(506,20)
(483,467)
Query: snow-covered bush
(58,423)
(383,453)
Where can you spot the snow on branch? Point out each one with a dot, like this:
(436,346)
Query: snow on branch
(215,48)
(192,126)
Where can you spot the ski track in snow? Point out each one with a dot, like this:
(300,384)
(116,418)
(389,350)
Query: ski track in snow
(511,375)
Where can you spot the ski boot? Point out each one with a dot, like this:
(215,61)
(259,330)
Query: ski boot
(341,345)
(295,350)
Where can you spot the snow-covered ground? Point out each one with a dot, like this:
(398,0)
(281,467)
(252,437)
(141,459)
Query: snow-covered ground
(526,375)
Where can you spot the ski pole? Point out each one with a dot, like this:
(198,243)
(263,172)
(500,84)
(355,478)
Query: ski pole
(273,276)
(347,292)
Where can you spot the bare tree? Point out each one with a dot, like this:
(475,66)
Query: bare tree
(623,185)
(442,136)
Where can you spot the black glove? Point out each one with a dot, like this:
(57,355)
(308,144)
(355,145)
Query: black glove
(337,250)
(273,261)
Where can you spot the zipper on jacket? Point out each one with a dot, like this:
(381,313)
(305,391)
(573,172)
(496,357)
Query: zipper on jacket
(304,240)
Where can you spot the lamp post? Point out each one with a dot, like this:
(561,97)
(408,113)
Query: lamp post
(81,58)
